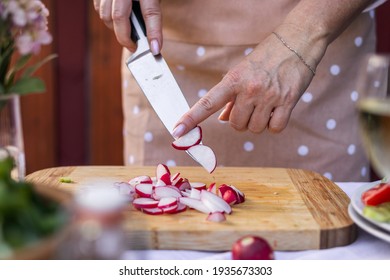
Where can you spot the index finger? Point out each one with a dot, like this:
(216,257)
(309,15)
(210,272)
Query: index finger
(213,101)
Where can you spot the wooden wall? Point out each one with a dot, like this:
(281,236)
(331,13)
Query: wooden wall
(78,120)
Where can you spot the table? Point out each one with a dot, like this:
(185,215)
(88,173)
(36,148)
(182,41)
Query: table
(366,247)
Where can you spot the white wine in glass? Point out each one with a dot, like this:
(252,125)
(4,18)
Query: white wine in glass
(374,111)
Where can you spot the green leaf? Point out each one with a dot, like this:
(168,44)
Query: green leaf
(27,85)
(30,70)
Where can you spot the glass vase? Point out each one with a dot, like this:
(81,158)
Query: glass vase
(11,134)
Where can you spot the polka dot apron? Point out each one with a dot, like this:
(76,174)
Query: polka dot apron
(202,40)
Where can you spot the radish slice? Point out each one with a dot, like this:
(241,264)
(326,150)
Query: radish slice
(181,207)
(214,202)
(212,188)
(166,178)
(185,184)
(140,180)
(195,204)
(144,190)
(175,176)
(161,169)
(160,192)
(167,202)
(194,193)
(144,202)
(230,196)
(216,217)
(205,156)
(198,185)
(124,188)
(152,211)
(193,137)
(170,210)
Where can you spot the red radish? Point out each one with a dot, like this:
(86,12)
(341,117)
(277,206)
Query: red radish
(161,169)
(124,188)
(144,202)
(167,202)
(167,191)
(198,185)
(140,180)
(230,196)
(171,209)
(181,207)
(144,190)
(194,193)
(166,178)
(252,248)
(205,156)
(212,188)
(185,184)
(214,202)
(152,211)
(240,194)
(195,204)
(193,137)
(216,217)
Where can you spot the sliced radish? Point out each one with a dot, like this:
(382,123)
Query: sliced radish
(175,176)
(214,202)
(167,202)
(181,207)
(216,217)
(198,185)
(140,180)
(205,156)
(166,178)
(185,184)
(144,190)
(193,137)
(167,191)
(171,209)
(195,204)
(230,196)
(152,211)
(212,188)
(161,169)
(195,193)
(144,202)
(240,194)
(124,188)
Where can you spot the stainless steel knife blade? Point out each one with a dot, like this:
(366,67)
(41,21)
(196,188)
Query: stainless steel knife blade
(155,78)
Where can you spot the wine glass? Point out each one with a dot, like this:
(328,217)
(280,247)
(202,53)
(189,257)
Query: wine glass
(374,111)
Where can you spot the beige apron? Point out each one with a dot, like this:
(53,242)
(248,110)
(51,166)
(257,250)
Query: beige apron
(202,40)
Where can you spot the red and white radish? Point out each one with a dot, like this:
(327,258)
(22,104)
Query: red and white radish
(216,217)
(144,190)
(193,137)
(165,191)
(153,211)
(140,180)
(144,202)
(205,156)
(195,204)
(198,185)
(214,202)
(167,202)
(252,248)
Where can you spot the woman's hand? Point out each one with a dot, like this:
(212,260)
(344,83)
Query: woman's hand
(116,13)
(258,93)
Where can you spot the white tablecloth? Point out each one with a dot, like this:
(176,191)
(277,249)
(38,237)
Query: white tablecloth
(366,247)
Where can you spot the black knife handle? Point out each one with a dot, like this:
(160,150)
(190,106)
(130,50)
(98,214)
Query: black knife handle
(138,14)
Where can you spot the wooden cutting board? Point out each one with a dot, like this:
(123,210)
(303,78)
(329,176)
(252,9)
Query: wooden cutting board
(293,209)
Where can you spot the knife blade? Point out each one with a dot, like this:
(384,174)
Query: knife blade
(155,78)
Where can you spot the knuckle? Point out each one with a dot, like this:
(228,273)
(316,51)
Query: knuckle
(206,103)
(231,79)
(118,14)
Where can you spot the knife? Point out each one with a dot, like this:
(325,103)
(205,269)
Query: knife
(155,78)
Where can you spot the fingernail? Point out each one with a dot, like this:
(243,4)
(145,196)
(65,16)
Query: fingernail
(154,47)
(178,131)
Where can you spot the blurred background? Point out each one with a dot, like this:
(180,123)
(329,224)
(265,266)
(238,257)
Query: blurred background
(78,120)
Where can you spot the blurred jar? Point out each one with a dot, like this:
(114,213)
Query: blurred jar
(97,231)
